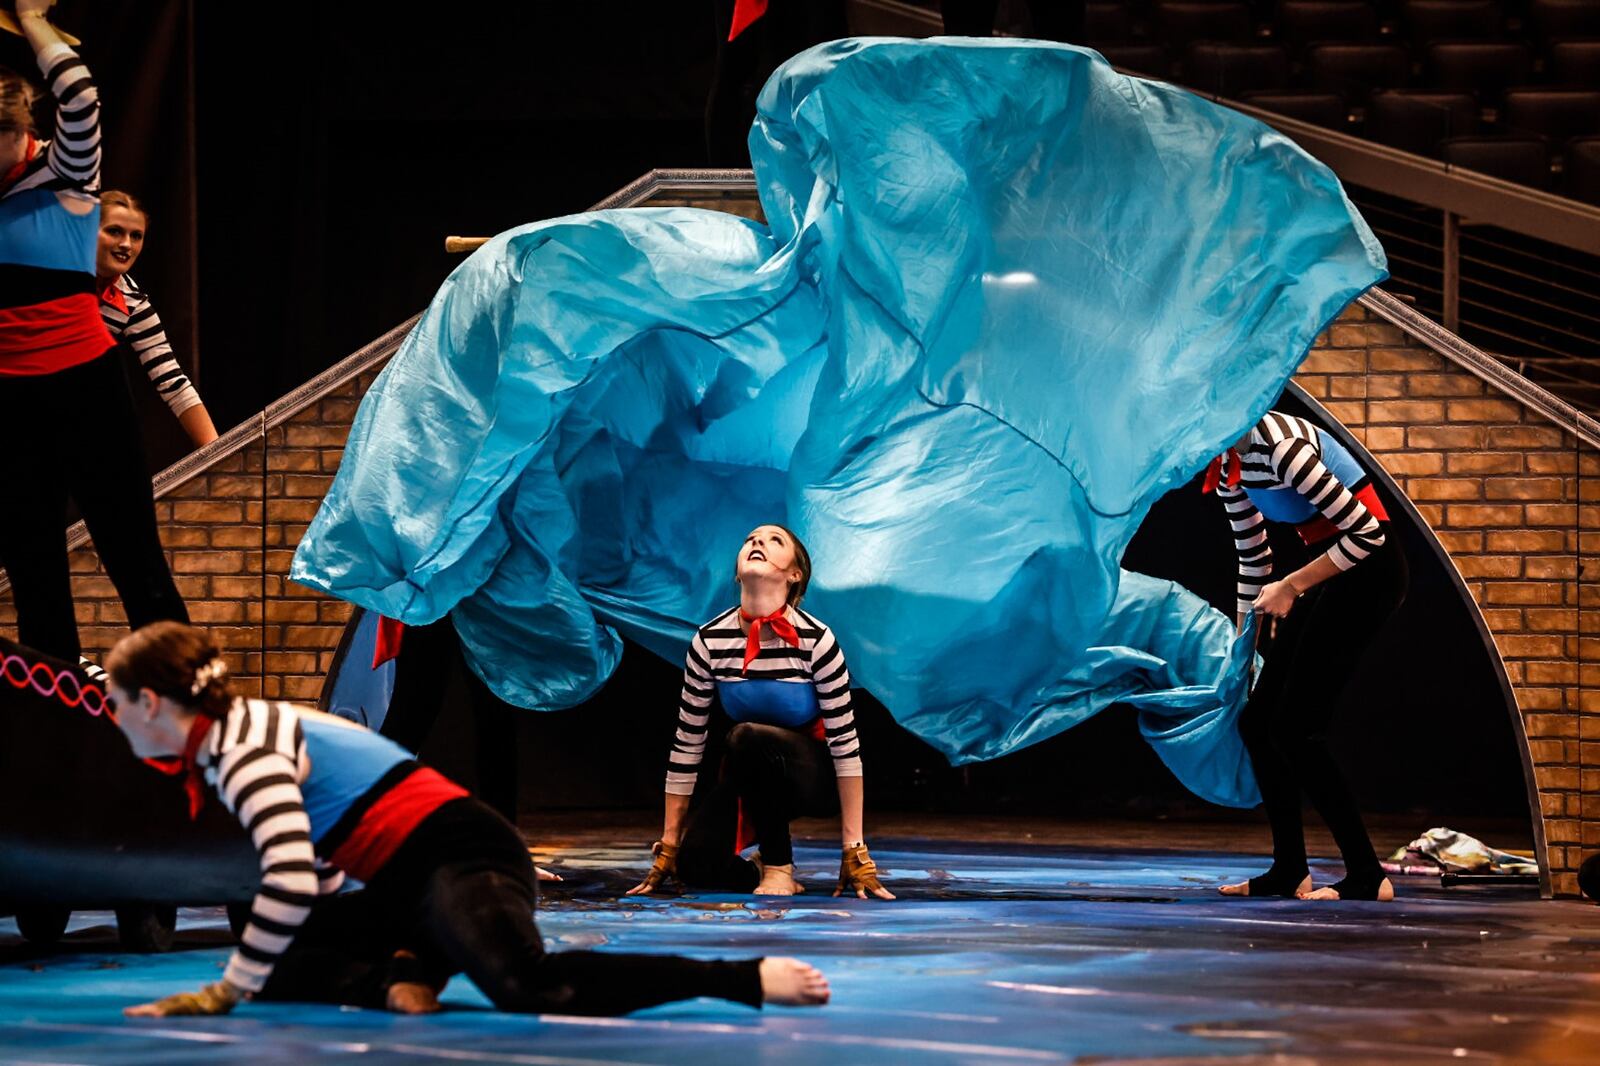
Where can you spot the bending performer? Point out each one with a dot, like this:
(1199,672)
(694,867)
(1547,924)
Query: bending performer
(1323,617)
(781,677)
(448,884)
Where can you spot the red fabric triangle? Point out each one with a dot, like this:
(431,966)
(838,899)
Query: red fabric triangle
(1214,472)
(781,627)
(745,13)
(386,645)
(113,296)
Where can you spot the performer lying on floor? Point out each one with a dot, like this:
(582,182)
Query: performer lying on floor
(781,678)
(448,885)
(1323,616)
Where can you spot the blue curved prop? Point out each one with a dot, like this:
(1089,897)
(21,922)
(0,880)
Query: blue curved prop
(1004,299)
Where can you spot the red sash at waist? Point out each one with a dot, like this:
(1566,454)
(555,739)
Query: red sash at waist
(1318,529)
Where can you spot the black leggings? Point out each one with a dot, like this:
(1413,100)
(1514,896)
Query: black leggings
(74,434)
(780,775)
(460,897)
(1316,651)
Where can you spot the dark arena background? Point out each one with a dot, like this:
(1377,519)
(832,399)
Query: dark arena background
(302,170)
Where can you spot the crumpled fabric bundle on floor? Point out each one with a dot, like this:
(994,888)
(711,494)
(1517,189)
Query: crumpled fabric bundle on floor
(1443,850)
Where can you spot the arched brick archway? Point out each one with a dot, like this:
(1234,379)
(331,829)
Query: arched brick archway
(1487,652)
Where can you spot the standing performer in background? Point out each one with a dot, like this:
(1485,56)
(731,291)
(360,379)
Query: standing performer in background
(67,422)
(1323,617)
(448,884)
(781,677)
(131,317)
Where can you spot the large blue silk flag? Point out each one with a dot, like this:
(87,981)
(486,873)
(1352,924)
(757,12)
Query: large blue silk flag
(1004,299)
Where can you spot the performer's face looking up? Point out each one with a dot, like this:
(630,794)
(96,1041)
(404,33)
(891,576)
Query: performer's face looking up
(121,240)
(768,553)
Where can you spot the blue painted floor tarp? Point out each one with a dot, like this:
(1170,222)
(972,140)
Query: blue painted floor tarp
(995,955)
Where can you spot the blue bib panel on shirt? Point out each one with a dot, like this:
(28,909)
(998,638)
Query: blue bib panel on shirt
(346,761)
(36,231)
(791,704)
(1287,505)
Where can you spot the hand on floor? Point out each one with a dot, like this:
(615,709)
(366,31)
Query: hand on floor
(218,998)
(858,873)
(664,866)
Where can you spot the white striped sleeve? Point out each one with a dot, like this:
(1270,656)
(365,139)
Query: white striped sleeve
(258,779)
(831,678)
(145,335)
(74,152)
(1250,544)
(1296,464)
(694,720)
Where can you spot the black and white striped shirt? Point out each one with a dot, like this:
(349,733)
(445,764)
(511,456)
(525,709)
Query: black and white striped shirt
(716,657)
(140,327)
(71,160)
(256,760)
(1285,454)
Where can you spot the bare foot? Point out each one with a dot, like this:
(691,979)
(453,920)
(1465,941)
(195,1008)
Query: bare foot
(1243,888)
(791,983)
(411,997)
(778,881)
(1385,893)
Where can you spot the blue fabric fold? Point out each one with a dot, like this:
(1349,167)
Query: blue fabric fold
(1004,299)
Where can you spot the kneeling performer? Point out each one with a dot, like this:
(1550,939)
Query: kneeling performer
(448,887)
(781,678)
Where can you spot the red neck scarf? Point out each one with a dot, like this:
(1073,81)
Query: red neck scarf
(112,294)
(780,626)
(1214,472)
(194,776)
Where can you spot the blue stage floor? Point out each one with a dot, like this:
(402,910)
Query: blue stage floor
(995,955)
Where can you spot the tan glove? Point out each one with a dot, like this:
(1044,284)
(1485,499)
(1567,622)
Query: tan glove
(218,998)
(859,874)
(664,867)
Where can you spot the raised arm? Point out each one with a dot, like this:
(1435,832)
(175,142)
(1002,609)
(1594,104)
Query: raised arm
(74,154)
